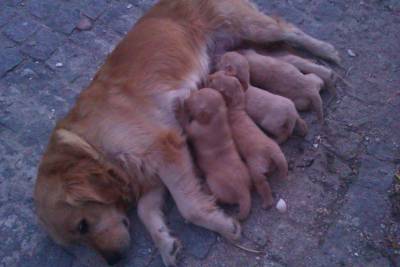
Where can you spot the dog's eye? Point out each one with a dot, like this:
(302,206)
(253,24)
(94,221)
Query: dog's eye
(83,227)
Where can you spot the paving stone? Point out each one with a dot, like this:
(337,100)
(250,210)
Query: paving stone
(9,58)
(30,78)
(43,8)
(6,14)
(42,44)
(5,42)
(20,28)
(328,11)
(119,18)
(65,19)
(94,8)
(74,62)
(12,2)
(99,42)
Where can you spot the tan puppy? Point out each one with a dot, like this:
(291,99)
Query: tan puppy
(261,154)
(275,114)
(305,65)
(216,155)
(286,80)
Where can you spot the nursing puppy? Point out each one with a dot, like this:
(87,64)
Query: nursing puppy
(275,114)
(120,145)
(284,79)
(204,120)
(305,65)
(261,154)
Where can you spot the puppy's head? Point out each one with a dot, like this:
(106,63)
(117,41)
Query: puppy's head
(229,87)
(203,103)
(234,64)
(80,198)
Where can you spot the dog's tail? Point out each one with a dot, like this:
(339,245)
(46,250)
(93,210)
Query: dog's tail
(244,205)
(281,164)
(300,128)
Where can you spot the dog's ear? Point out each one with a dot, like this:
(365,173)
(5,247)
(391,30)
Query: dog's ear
(94,186)
(75,144)
(87,176)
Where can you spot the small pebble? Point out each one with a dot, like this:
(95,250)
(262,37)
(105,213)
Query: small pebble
(129,6)
(351,53)
(59,64)
(315,145)
(281,206)
(84,24)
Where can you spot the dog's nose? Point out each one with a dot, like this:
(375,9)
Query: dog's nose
(112,257)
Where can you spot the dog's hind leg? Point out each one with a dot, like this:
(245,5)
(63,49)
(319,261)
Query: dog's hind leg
(150,213)
(247,23)
(175,168)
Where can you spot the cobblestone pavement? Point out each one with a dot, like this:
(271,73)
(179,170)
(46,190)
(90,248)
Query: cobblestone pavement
(343,198)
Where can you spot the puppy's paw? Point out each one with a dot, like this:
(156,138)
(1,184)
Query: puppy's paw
(267,203)
(169,250)
(329,52)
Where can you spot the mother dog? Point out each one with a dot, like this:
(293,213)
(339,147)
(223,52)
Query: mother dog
(121,145)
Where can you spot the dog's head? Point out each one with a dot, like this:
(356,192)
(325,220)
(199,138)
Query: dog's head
(203,103)
(234,64)
(229,87)
(80,198)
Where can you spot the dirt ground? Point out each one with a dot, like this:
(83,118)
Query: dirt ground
(343,195)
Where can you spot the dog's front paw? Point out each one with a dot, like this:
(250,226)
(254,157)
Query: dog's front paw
(233,231)
(169,250)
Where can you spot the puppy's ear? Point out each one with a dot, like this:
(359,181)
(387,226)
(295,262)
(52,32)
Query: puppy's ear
(230,70)
(239,85)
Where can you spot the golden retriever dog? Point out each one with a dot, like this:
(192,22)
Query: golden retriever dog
(275,114)
(205,122)
(261,154)
(120,145)
(282,78)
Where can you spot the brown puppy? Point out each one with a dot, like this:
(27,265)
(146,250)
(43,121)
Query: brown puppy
(284,79)
(261,154)
(216,155)
(275,114)
(305,65)
(121,145)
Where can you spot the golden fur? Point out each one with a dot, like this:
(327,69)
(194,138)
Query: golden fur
(275,114)
(282,78)
(261,154)
(124,145)
(204,119)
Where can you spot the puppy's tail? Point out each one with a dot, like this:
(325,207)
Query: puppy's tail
(300,128)
(244,206)
(281,164)
(316,103)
